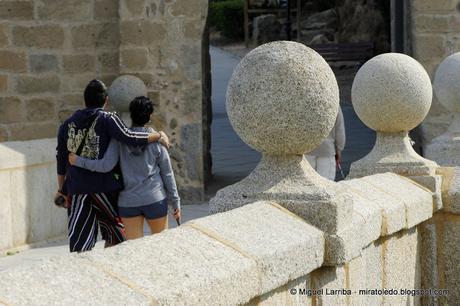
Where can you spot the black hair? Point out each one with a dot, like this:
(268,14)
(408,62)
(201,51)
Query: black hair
(140,108)
(95,94)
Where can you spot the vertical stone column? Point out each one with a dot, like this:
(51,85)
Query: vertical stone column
(160,42)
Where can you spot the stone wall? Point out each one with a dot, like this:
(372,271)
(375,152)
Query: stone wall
(28,183)
(434,35)
(50,49)
(440,242)
(225,260)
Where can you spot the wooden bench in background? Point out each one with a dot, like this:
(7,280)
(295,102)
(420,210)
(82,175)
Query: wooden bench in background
(342,52)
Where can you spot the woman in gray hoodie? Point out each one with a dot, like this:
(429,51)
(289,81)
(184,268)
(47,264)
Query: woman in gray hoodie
(147,175)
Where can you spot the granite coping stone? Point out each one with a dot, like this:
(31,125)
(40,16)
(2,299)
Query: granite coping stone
(451,189)
(183,266)
(417,200)
(65,280)
(18,154)
(286,249)
(393,210)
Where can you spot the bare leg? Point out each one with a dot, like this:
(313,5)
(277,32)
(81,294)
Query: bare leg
(158,225)
(134,227)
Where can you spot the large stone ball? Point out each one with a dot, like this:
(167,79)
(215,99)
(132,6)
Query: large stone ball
(283,98)
(447,83)
(124,89)
(392,93)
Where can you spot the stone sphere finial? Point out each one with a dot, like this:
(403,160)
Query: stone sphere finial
(392,93)
(444,148)
(283,98)
(447,83)
(124,89)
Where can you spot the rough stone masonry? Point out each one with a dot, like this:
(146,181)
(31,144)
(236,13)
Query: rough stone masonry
(50,49)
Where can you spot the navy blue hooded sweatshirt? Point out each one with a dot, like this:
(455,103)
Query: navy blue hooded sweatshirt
(100,131)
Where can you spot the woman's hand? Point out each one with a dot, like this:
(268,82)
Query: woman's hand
(176,213)
(73,159)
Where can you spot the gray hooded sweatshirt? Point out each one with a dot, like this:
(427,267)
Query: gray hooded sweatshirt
(147,173)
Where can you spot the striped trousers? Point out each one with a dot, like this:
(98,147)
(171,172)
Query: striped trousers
(87,213)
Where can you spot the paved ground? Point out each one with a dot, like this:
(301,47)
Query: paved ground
(232,158)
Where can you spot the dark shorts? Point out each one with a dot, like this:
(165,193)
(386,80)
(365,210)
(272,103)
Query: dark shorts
(151,211)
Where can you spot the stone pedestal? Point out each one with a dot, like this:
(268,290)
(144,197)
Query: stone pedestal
(283,101)
(392,94)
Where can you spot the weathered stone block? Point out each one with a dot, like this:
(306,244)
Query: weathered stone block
(18,10)
(194,29)
(432,23)
(67,10)
(37,84)
(370,211)
(284,295)
(429,262)
(79,63)
(187,7)
(133,7)
(28,131)
(401,257)
(283,232)
(451,190)
(42,36)
(205,263)
(327,278)
(347,244)
(71,100)
(105,9)
(191,61)
(56,275)
(109,62)
(3,133)
(40,109)
(95,35)
(191,143)
(12,61)
(6,239)
(372,261)
(141,33)
(64,114)
(155,97)
(3,37)
(417,200)
(393,210)
(427,47)
(134,59)
(438,5)
(450,260)
(12,110)
(3,83)
(43,63)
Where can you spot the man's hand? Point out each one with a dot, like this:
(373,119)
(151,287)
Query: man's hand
(66,203)
(72,159)
(164,140)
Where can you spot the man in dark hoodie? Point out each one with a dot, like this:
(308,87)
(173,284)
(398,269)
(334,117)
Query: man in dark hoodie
(91,197)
